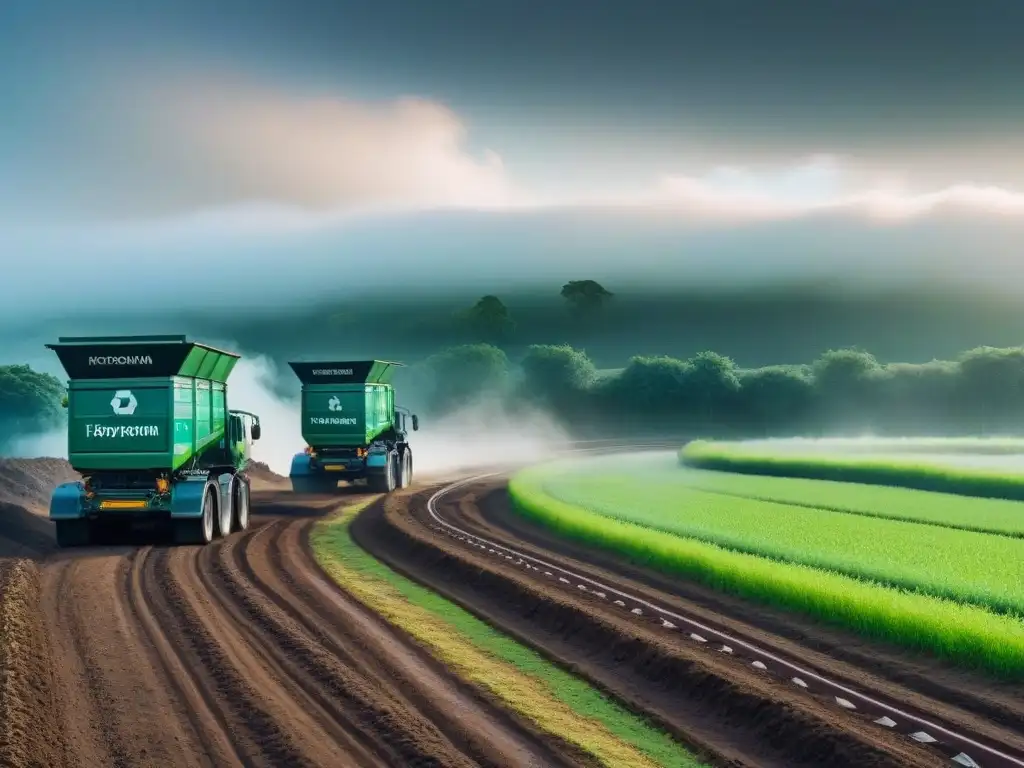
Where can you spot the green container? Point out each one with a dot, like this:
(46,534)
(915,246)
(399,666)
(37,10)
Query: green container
(144,402)
(346,404)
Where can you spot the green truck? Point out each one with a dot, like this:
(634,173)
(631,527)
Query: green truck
(150,432)
(352,428)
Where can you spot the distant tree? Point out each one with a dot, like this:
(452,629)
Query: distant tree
(777,397)
(711,384)
(30,402)
(585,295)
(555,373)
(461,374)
(489,319)
(992,387)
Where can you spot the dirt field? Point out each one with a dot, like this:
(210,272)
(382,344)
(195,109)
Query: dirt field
(236,653)
(242,652)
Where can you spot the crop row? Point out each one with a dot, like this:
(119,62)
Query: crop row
(976,446)
(954,593)
(997,516)
(932,474)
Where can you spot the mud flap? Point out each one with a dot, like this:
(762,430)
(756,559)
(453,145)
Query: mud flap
(187,498)
(66,502)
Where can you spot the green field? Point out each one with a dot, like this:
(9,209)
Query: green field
(886,562)
(961,472)
(967,513)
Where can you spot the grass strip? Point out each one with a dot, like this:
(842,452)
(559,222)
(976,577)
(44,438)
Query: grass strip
(730,457)
(554,699)
(966,635)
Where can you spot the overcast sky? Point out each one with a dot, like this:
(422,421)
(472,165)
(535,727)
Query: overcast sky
(662,137)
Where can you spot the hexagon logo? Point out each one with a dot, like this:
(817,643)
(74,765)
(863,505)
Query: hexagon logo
(124,402)
(334,404)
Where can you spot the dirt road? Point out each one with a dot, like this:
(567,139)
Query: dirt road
(239,653)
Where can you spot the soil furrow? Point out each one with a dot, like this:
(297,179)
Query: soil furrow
(718,705)
(365,710)
(239,653)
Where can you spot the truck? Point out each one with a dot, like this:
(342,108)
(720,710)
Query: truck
(151,434)
(352,428)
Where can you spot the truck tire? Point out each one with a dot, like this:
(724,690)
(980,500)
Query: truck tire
(199,530)
(241,505)
(405,475)
(74,533)
(226,512)
(385,482)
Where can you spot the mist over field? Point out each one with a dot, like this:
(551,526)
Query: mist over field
(348,182)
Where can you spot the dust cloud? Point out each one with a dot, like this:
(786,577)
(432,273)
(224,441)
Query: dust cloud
(482,435)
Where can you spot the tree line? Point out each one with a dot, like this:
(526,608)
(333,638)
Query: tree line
(844,391)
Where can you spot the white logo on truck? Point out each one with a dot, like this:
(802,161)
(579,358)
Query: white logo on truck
(334,404)
(105,432)
(124,402)
(120,360)
(333,421)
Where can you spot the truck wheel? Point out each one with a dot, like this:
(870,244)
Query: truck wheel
(384,482)
(226,512)
(73,533)
(405,476)
(242,506)
(198,530)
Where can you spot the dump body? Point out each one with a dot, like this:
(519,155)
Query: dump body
(347,404)
(143,403)
(349,423)
(148,426)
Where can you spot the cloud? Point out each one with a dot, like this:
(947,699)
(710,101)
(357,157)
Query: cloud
(823,184)
(238,156)
(235,151)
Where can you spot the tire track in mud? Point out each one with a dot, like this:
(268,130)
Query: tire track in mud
(243,653)
(717,703)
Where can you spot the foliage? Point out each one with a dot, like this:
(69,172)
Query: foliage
(460,374)
(585,295)
(845,391)
(967,634)
(30,401)
(488,319)
(554,374)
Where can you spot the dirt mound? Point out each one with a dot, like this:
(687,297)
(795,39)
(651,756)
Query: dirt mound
(28,483)
(263,477)
(25,488)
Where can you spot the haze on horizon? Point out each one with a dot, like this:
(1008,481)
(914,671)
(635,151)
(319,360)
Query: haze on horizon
(345,147)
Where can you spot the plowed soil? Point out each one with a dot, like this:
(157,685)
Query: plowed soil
(238,653)
(716,702)
(244,653)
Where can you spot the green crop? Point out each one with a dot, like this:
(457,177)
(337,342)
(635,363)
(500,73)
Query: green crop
(976,568)
(975,446)
(933,475)
(967,513)
(923,586)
